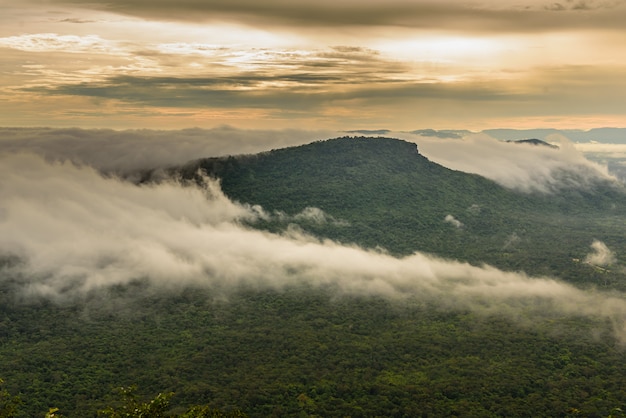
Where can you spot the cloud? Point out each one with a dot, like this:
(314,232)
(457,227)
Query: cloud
(130,151)
(250,91)
(601,255)
(511,241)
(428,14)
(258,62)
(227,78)
(318,216)
(556,7)
(352,86)
(523,167)
(613,156)
(311,215)
(288,94)
(124,78)
(78,234)
(453,221)
(51,42)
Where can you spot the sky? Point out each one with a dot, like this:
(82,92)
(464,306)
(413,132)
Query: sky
(313,64)
(91,92)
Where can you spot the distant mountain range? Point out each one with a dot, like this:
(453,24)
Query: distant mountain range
(534,141)
(606,135)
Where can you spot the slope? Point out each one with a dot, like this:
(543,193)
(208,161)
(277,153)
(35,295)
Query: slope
(383,193)
(302,351)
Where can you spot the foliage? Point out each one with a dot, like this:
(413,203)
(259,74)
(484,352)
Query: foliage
(390,196)
(52,413)
(208,412)
(9,404)
(305,352)
(132,408)
(158,407)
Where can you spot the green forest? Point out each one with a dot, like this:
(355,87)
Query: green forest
(393,197)
(312,352)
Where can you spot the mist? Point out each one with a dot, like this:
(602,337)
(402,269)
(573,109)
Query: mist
(77,233)
(600,255)
(522,167)
(129,151)
(453,221)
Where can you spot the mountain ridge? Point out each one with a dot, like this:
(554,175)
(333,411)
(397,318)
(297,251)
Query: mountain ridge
(610,135)
(391,196)
(302,350)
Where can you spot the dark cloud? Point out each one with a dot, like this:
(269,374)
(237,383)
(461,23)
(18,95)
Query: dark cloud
(289,80)
(375,99)
(581,5)
(295,92)
(555,7)
(452,15)
(76,20)
(585,5)
(193,92)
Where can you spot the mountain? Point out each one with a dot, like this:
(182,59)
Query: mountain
(605,135)
(386,194)
(535,141)
(301,349)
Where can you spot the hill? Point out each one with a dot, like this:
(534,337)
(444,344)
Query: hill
(535,141)
(300,347)
(389,195)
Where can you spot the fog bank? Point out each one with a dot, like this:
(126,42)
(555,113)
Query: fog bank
(523,167)
(128,151)
(77,233)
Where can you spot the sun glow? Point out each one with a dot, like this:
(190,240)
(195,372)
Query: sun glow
(444,49)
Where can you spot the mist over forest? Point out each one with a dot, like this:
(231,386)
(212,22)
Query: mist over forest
(365,208)
(474,230)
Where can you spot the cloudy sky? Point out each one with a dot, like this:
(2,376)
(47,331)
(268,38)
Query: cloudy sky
(313,64)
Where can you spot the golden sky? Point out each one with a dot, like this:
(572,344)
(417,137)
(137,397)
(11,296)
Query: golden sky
(313,64)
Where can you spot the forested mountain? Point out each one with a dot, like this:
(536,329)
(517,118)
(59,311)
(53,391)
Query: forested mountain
(303,348)
(391,196)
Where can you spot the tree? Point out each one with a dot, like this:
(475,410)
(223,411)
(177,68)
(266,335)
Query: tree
(9,404)
(157,408)
(133,408)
